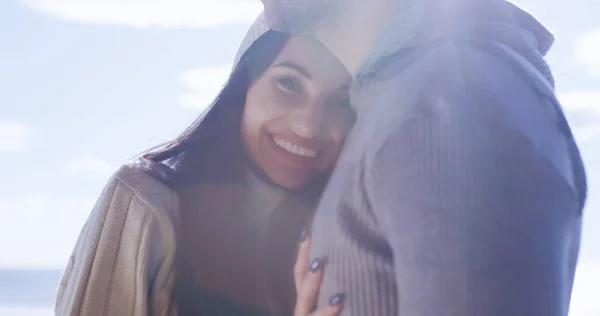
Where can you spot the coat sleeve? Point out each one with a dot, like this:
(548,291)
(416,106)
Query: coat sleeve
(116,258)
(478,220)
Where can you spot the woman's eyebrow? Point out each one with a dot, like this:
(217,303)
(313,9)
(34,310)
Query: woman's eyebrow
(298,68)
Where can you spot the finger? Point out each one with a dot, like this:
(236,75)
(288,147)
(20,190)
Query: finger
(303,260)
(328,311)
(334,307)
(309,288)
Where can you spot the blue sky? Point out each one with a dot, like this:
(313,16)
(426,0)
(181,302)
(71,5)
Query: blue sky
(86,85)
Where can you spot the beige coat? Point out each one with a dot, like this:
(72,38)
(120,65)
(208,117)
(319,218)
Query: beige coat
(122,263)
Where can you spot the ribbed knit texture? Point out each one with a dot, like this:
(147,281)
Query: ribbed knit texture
(459,192)
(122,262)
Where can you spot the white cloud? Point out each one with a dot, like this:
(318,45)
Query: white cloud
(91,166)
(583,104)
(39,231)
(584,301)
(14,136)
(151,13)
(587,51)
(204,84)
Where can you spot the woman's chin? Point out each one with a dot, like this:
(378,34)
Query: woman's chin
(294,182)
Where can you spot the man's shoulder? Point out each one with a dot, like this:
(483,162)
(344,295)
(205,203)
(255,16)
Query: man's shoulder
(456,65)
(454,82)
(479,78)
(454,78)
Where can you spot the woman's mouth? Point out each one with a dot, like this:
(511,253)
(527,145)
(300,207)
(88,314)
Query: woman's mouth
(294,148)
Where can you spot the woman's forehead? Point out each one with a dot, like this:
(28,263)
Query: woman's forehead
(314,58)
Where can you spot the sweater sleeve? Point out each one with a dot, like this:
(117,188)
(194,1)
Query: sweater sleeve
(479,223)
(115,260)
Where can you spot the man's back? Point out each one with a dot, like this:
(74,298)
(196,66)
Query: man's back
(460,189)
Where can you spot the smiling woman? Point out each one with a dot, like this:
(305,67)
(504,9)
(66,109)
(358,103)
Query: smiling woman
(209,224)
(297,114)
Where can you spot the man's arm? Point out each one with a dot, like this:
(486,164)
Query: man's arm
(479,222)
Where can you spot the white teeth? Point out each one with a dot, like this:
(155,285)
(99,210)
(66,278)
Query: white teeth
(295,149)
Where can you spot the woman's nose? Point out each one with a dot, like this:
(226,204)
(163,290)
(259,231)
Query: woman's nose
(307,121)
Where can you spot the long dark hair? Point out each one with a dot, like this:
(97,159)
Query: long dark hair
(215,137)
(225,113)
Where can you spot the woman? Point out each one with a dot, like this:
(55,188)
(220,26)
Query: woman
(209,224)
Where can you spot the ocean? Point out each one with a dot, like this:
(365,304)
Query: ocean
(28,292)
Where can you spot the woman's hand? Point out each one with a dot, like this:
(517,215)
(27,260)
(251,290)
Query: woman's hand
(307,277)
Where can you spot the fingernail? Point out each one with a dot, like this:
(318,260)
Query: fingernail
(336,299)
(303,235)
(315,265)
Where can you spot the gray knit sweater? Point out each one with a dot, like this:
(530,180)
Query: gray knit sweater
(460,190)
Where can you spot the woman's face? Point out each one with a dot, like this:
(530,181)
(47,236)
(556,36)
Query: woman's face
(297,114)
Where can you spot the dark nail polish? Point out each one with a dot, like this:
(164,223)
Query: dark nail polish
(336,299)
(303,235)
(315,265)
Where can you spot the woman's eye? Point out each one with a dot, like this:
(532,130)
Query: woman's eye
(288,84)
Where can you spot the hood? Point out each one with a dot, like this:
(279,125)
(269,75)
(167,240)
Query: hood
(527,23)
(256,30)
(490,20)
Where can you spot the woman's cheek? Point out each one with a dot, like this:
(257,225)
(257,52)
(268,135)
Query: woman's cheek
(275,103)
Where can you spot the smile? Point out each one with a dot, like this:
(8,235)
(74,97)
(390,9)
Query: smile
(295,149)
